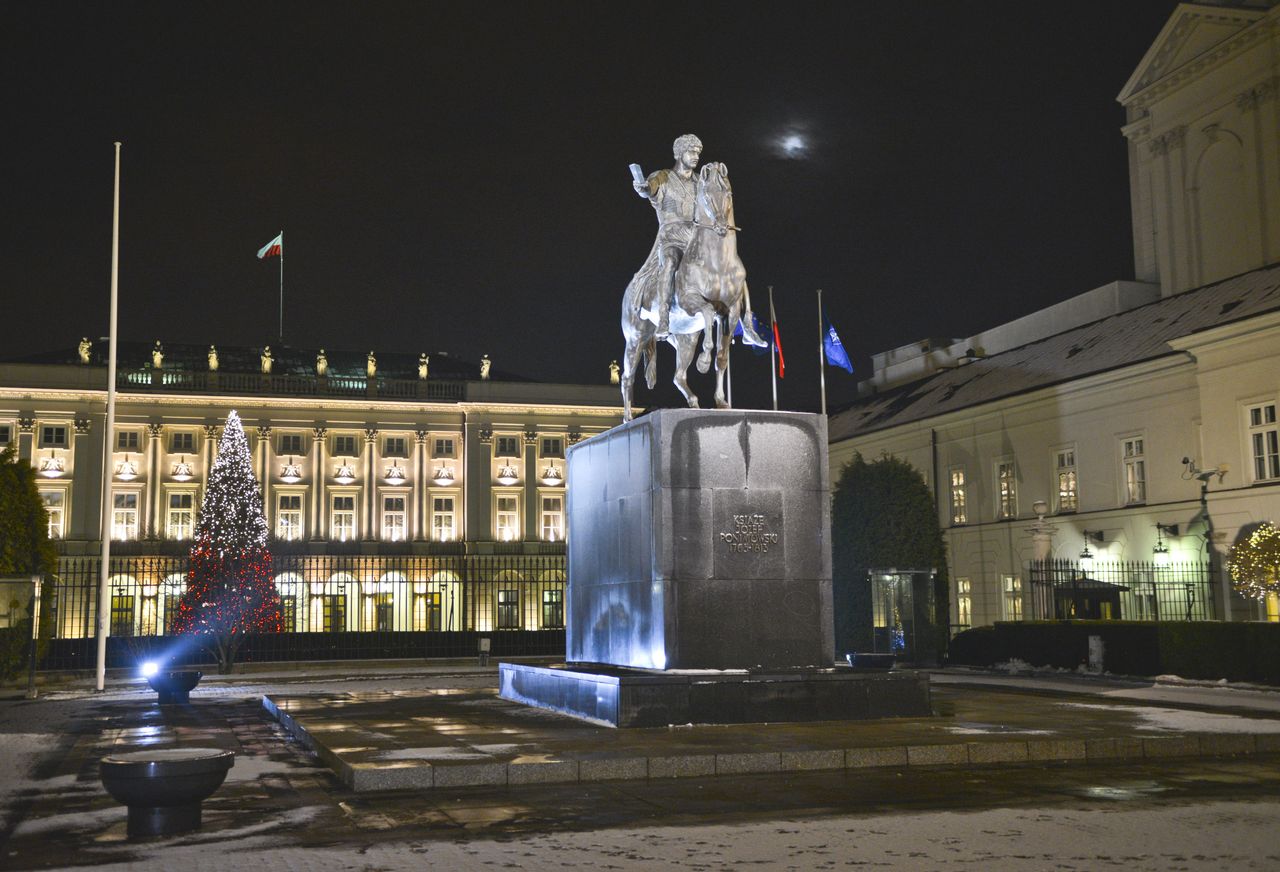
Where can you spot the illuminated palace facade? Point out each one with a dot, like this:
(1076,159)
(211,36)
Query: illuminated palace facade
(404,492)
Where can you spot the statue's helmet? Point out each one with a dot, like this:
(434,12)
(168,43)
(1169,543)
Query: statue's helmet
(684,143)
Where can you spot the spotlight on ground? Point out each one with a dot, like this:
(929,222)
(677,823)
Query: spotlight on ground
(150,668)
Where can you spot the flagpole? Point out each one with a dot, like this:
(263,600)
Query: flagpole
(822,357)
(104,592)
(773,371)
(282,287)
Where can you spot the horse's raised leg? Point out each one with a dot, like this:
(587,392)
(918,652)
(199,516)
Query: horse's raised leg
(684,344)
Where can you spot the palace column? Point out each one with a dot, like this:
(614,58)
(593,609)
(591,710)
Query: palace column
(532,514)
(477,487)
(154,512)
(264,467)
(86,480)
(317,483)
(367,489)
(26,438)
(419,485)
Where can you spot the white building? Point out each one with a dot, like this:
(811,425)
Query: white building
(1092,405)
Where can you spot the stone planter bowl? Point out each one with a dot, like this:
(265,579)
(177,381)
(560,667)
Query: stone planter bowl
(174,687)
(163,788)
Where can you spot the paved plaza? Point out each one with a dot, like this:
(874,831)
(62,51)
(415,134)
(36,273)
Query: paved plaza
(1010,773)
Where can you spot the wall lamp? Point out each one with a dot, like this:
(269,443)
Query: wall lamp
(1160,553)
(1086,556)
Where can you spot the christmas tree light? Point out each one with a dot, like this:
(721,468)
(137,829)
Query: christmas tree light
(229,589)
(1255,563)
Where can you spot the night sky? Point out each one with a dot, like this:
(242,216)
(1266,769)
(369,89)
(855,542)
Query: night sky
(454,176)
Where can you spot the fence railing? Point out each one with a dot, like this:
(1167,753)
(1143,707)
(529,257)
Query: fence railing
(334,606)
(287,384)
(1128,591)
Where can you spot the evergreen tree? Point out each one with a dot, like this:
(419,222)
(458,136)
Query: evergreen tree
(229,589)
(25,550)
(883,517)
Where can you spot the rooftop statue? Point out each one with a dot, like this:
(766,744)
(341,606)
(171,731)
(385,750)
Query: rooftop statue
(692,281)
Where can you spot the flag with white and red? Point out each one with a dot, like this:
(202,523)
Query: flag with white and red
(272,249)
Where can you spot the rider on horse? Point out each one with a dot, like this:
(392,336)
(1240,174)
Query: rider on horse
(673,195)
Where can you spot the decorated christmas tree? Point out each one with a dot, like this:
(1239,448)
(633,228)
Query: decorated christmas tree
(229,590)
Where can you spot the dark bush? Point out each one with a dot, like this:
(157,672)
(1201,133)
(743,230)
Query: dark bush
(1202,650)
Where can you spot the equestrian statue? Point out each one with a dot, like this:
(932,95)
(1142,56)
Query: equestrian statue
(692,283)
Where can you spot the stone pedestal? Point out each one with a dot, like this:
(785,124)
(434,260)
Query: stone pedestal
(699,540)
(699,567)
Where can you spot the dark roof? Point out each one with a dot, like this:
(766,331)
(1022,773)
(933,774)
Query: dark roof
(185,357)
(1123,339)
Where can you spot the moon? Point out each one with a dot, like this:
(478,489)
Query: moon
(791,144)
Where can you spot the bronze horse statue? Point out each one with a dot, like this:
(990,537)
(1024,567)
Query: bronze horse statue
(711,298)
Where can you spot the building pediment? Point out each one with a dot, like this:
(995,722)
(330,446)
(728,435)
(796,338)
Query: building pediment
(1192,33)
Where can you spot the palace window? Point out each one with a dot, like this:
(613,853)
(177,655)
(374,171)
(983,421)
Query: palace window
(289,516)
(552,446)
(506,446)
(552,609)
(127,440)
(509,609)
(395,446)
(393,519)
(1064,463)
(54,437)
(1133,456)
(343,521)
(181,516)
(442,519)
(291,444)
(122,605)
(1006,490)
(959,498)
(124,515)
(964,602)
(507,521)
(333,613)
(1012,586)
(442,447)
(6,435)
(344,446)
(1264,442)
(427,611)
(182,443)
(54,506)
(553,519)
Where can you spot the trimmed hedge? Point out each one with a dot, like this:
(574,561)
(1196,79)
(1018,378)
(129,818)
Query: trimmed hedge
(1204,650)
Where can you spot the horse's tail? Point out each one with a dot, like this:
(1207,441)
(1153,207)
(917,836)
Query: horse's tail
(651,362)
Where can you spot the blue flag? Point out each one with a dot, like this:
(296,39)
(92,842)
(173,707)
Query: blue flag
(834,350)
(760,329)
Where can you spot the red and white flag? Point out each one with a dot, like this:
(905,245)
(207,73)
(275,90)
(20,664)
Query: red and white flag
(273,248)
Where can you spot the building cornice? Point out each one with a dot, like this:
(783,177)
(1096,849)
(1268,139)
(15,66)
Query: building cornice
(1255,25)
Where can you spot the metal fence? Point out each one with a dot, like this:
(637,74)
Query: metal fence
(1128,591)
(334,606)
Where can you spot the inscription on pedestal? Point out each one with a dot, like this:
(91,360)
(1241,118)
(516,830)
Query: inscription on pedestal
(748,541)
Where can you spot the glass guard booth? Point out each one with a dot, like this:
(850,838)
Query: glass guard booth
(902,614)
